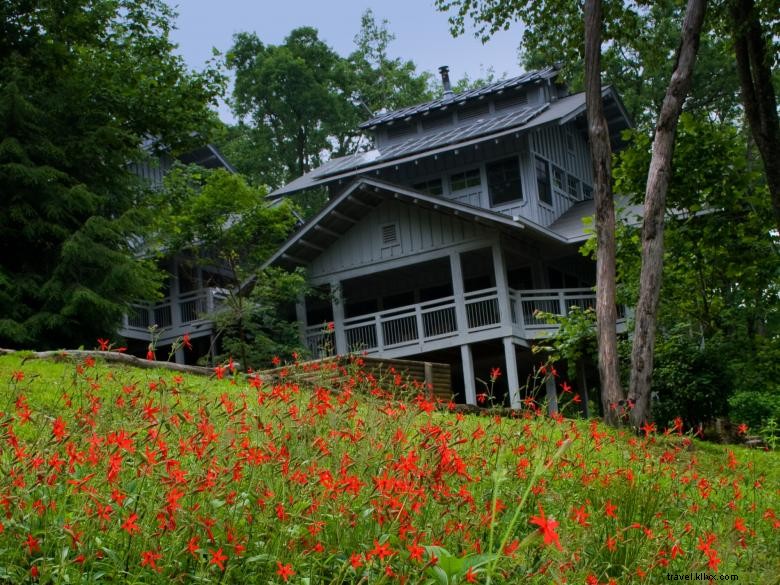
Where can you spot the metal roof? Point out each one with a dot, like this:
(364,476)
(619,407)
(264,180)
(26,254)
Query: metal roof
(447,100)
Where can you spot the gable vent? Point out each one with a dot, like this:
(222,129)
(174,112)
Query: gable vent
(401,130)
(520,99)
(389,234)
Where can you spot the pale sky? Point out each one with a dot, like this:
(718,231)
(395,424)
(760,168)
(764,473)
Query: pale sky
(422,33)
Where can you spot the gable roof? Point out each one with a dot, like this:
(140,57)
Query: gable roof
(366,193)
(431,143)
(447,100)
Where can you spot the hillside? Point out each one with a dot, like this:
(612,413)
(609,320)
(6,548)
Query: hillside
(117,474)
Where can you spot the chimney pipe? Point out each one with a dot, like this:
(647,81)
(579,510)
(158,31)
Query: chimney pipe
(444,70)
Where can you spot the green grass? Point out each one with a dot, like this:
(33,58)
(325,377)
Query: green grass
(307,483)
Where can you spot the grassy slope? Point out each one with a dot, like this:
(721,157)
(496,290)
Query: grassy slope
(285,476)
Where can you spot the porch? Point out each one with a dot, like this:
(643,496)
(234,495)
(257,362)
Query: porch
(434,324)
(173,316)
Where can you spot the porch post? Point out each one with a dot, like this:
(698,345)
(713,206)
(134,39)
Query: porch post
(458,292)
(300,316)
(469,383)
(338,317)
(176,325)
(552,395)
(502,285)
(512,378)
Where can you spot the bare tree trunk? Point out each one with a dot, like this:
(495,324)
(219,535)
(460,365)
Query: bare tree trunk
(754,67)
(601,152)
(655,204)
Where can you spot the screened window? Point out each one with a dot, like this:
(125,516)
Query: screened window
(574,187)
(559,178)
(464,180)
(431,187)
(503,179)
(543,181)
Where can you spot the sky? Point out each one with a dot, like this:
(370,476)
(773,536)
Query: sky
(422,33)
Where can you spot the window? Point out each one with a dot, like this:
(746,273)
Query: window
(503,178)
(587,192)
(574,187)
(559,178)
(473,112)
(464,180)
(543,181)
(431,187)
(401,130)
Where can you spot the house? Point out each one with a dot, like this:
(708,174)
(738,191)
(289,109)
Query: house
(192,291)
(444,241)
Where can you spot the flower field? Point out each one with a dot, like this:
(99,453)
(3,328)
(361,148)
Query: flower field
(121,475)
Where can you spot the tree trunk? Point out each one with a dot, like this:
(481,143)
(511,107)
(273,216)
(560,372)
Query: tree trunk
(601,152)
(754,67)
(655,204)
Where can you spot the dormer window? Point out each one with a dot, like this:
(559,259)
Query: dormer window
(401,130)
(503,179)
(431,187)
(465,180)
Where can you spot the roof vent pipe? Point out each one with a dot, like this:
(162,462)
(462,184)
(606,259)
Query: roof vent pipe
(445,79)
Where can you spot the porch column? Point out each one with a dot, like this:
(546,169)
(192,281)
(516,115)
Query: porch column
(176,324)
(458,292)
(552,395)
(469,383)
(338,317)
(300,316)
(512,378)
(502,285)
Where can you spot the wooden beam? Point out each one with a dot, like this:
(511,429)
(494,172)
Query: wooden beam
(310,245)
(325,230)
(294,258)
(343,216)
(357,201)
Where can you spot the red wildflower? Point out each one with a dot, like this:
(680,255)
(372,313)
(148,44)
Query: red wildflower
(185,341)
(495,373)
(355,560)
(103,344)
(331,326)
(150,353)
(471,576)
(381,551)
(415,552)
(284,571)
(192,546)
(580,516)
(218,558)
(149,558)
(742,429)
(130,525)
(609,509)
(547,528)
(17,376)
(32,544)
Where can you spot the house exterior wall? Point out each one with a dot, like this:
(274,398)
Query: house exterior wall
(419,231)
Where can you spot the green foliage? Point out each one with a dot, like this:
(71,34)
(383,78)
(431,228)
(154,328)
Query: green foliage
(301,100)
(719,316)
(221,221)
(690,380)
(575,338)
(84,83)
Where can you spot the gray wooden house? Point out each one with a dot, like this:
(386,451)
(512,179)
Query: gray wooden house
(443,241)
(192,291)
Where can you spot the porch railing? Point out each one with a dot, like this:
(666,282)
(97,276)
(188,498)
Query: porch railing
(437,319)
(187,308)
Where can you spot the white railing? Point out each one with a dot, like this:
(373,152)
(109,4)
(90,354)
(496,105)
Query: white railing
(188,308)
(528,303)
(437,319)
(412,324)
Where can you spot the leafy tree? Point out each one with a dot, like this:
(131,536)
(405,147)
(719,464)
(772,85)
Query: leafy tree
(83,84)
(720,294)
(300,102)
(221,221)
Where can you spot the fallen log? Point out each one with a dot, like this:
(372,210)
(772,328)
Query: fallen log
(110,357)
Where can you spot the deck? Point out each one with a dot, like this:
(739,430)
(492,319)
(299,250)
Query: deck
(435,324)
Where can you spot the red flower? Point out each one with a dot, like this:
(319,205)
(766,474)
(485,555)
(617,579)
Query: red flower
(185,341)
(742,429)
(32,544)
(547,528)
(495,373)
(150,354)
(471,576)
(130,526)
(104,344)
(218,558)
(380,550)
(331,326)
(580,516)
(284,571)
(415,552)
(609,509)
(149,558)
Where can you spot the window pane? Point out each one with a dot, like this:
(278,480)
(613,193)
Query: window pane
(431,187)
(558,177)
(465,180)
(503,179)
(543,181)
(574,187)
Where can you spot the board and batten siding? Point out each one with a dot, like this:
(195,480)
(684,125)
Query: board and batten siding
(418,229)
(550,143)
